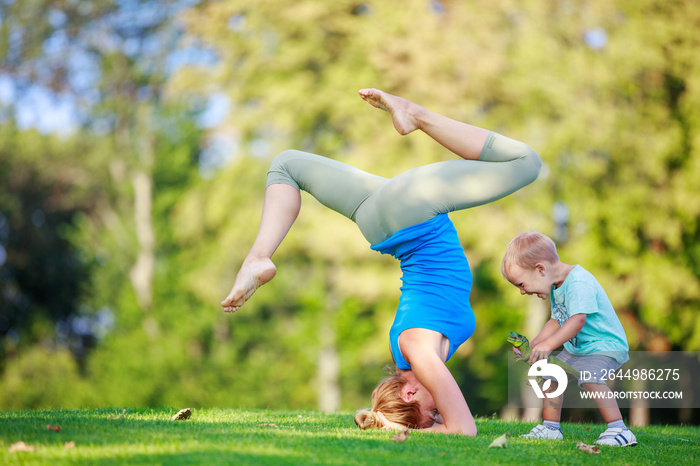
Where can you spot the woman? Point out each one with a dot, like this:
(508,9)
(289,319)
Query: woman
(406,217)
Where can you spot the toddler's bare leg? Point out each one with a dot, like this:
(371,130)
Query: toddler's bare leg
(280,210)
(551,407)
(463,139)
(607,406)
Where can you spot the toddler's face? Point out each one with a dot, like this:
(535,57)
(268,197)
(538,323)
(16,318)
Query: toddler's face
(533,281)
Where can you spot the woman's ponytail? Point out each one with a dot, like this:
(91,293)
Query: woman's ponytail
(386,398)
(366,419)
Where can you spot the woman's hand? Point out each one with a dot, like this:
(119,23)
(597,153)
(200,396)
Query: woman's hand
(387,424)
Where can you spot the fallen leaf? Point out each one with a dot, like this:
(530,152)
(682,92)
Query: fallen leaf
(590,449)
(54,428)
(69,445)
(401,436)
(21,446)
(587,429)
(182,415)
(268,425)
(500,442)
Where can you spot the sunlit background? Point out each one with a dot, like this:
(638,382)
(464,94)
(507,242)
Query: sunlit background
(135,137)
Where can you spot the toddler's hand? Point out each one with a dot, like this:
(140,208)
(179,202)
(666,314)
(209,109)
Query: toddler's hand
(541,351)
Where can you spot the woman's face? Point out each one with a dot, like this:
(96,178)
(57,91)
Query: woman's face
(427,406)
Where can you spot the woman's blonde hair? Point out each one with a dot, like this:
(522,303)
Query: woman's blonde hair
(526,250)
(386,398)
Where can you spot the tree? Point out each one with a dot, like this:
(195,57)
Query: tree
(606,92)
(111,60)
(536,72)
(43,277)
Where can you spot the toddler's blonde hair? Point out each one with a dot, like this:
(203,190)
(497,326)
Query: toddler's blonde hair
(526,250)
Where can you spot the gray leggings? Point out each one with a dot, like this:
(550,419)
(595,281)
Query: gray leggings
(382,206)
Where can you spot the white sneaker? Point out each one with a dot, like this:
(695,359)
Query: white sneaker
(617,437)
(542,431)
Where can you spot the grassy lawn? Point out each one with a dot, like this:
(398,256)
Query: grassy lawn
(213,436)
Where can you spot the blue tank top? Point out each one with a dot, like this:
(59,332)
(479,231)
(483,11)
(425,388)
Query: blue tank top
(436,283)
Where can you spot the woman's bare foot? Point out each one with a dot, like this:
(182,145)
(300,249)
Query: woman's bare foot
(403,112)
(253,274)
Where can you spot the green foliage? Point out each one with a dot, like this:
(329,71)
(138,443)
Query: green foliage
(603,120)
(41,277)
(607,92)
(41,378)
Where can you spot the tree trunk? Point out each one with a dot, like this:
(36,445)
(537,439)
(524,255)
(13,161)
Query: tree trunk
(328,362)
(141,273)
(639,407)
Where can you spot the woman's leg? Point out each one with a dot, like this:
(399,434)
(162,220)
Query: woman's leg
(340,187)
(280,209)
(494,167)
(461,138)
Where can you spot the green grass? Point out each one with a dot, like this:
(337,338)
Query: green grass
(213,436)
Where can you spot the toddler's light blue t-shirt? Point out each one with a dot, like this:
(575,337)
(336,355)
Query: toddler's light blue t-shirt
(582,294)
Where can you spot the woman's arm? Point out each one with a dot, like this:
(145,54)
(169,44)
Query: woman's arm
(421,349)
